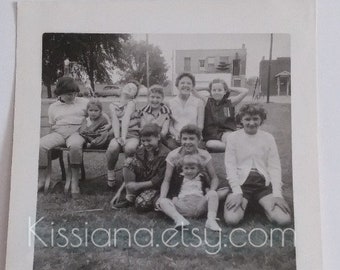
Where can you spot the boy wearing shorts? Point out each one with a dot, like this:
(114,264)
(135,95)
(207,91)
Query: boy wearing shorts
(143,173)
(253,170)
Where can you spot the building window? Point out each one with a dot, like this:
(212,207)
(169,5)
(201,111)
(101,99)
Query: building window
(237,83)
(201,64)
(224,59)
(187,64)
(236,67)
(211,64)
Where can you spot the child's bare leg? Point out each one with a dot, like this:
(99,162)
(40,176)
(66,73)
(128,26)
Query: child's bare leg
(222,193)
(129,177)
(275,213)
(233,216)
(112,154)
(169,209)
(75,180)
(215,146)
(41,178)
(131,146)
(212,211)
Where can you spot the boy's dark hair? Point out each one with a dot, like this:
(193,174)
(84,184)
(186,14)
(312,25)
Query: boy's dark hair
(151,129)
(185,74)
(251,109)
(192,130)
(157,89)
(94,102)
(225,86)
(66,85)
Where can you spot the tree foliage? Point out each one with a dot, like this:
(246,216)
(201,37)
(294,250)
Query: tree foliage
(135,63)
(97,53)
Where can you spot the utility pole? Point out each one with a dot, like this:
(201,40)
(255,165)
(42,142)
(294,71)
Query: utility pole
(269,66)
(147,61)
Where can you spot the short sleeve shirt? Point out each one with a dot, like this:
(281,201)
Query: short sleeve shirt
(175,155)
(183,115)
(148,117)
(64,114)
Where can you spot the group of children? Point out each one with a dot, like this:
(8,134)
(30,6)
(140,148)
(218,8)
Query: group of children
(166,166)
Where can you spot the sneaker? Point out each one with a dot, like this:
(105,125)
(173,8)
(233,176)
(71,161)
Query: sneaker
(122,204)
(182,224)
(212,225)
(111,183)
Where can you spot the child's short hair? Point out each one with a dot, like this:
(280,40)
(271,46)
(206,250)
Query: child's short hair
(251,109)
(225,86)
(185,74)
(94,102)
(192,130)
(156,89)
(66,85)
(151,129)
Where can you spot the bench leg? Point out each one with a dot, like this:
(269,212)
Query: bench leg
(62,166)
(48,171)
(68,176)
(82,167)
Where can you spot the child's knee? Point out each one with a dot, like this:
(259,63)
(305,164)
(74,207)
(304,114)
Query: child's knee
(164,202)
(129,150)
(233,218)
(279,217)
(212,194)
(113,147)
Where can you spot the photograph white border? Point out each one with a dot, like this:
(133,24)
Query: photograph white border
(296,18)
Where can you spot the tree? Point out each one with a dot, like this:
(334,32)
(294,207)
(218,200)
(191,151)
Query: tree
(97,53)
(52,59)
(135,63)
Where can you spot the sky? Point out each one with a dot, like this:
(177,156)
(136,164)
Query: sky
(257,46)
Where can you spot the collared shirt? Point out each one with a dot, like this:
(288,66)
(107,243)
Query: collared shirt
(64,114)
(148,117)
(246,152)
(175,156)
(149,170)
(182,115)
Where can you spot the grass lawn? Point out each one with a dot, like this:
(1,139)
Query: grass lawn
(192,249)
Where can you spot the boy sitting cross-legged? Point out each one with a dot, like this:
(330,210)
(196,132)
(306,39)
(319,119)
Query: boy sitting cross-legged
(144,172)
(254,170)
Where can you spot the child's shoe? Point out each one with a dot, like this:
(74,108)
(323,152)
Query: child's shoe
(111,179)
(212,225)
(181,224)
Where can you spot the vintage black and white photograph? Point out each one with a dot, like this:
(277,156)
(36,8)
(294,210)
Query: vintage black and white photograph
(152,136)
(165,149)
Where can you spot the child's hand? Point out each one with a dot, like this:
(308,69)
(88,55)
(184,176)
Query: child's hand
(235,201)
(280,202)
(105,128)
(157,205)
(115,198)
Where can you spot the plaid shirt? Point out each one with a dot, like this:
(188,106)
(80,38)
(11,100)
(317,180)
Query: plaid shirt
(149,170)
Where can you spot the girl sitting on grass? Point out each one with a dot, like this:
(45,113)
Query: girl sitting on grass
(125,124)
(253,170)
